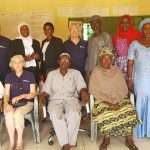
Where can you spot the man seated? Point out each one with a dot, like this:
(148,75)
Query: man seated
(64,86)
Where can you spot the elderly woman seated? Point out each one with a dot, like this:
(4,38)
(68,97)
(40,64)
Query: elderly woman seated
(112,112)
(20,89)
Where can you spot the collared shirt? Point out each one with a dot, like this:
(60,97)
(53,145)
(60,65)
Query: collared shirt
(78,53)
(19,85)
(64,88)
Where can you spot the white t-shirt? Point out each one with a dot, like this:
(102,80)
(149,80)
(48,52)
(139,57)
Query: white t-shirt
(44,49)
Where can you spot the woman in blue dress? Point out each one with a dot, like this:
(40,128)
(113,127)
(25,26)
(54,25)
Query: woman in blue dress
(139,76)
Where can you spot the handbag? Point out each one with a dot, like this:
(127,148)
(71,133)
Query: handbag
(20,103)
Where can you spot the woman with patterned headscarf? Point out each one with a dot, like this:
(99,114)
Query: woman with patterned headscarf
(113,112)
(27,47)
(139,74)
(123,37)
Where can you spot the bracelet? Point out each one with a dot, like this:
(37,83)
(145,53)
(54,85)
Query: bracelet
(129,78)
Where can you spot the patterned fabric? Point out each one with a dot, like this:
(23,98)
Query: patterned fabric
(106,51)
(121,62)
(115,120)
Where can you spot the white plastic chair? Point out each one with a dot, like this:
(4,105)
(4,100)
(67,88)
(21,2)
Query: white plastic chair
(32,117)
(93,124)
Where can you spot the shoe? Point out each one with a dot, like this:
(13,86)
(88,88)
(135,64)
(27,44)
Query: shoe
(131,146)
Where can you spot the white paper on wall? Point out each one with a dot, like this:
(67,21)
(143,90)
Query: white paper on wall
(121,10)
(82,12)
(9,23)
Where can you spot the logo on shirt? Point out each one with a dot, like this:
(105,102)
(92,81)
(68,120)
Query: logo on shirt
(1,46)
(82,46)
(26,81)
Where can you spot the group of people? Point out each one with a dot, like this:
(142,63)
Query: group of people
(108,66)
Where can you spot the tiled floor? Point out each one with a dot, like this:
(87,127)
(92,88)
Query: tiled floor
(83,142)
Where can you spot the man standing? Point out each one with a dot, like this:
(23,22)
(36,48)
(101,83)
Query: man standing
(63,87)
(4,62)
(98,40)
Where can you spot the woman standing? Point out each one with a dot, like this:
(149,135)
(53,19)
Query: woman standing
(27,47)
(139,75)
(52,47)
(19,84)
(124,36)
(77,48)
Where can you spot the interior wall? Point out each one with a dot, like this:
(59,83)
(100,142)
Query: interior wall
(61,23)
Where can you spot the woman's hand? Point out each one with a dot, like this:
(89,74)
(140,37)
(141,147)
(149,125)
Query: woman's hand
(27,58)
(35,56)
(8,108)
(17,98)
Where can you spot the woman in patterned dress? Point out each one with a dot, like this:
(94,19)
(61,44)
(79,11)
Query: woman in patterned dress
(124,36)
(139,55)
(113,111)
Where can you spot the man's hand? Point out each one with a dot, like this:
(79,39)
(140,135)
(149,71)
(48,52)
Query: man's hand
(84,96)
(43,96)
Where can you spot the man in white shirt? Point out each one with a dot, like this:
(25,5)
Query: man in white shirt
(64,86)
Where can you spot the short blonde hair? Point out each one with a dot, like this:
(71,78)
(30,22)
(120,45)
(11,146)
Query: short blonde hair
(78,27)
(13,59)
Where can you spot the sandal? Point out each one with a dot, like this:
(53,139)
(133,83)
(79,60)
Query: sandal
(105,143)
(20,147)
(131,146)
(10,147)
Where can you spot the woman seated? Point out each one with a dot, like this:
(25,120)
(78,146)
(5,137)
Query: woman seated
(112,112)
(19,85)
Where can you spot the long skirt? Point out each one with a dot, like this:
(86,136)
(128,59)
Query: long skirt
(115,120)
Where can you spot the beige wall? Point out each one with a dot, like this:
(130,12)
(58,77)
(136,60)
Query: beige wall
(61,23)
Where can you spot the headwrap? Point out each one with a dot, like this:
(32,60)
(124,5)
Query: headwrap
(106,51)
(131,35)
(65,54)
(146,20)
(27,42)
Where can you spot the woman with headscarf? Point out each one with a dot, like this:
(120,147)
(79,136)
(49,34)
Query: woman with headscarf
(139,76)
(27,47)
(113,111)
(124,36)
